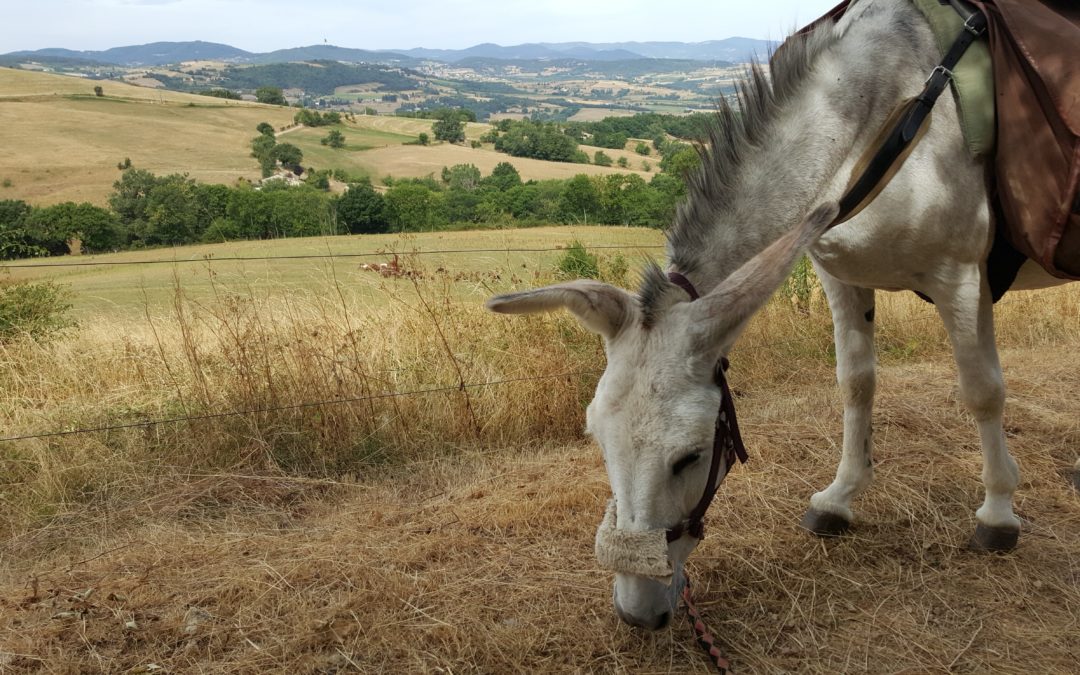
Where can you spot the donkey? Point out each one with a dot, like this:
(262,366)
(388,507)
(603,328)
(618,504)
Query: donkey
(764,194)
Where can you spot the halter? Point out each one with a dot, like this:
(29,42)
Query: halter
(727,441)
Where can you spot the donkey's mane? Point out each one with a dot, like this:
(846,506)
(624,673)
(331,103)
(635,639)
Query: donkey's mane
(731,135)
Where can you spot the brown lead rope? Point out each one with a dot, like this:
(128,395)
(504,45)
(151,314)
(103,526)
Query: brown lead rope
(702,634)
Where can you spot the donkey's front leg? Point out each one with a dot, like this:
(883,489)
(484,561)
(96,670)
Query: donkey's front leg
(968,313)
(853,330)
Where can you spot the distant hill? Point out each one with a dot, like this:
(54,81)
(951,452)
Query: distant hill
(521,52)
(332,53)
(153,54)
(735,50)
(317,78)
(576,68)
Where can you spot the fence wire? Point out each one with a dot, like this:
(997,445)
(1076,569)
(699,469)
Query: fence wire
(318,256)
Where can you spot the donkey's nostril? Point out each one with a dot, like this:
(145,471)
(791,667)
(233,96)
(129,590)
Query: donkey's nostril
(653,623)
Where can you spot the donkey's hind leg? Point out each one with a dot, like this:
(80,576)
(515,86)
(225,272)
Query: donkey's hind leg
(968,314)
(852,309)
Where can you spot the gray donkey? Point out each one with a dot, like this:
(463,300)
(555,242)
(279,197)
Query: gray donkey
(764,195)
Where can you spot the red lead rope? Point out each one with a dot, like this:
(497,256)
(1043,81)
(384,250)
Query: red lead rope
(702,634)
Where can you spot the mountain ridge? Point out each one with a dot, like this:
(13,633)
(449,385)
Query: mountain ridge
(733,49)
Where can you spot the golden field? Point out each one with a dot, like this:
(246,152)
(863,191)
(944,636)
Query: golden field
(62,143)
(451,530)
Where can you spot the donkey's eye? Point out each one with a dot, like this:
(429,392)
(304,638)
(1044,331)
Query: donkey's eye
(685,462)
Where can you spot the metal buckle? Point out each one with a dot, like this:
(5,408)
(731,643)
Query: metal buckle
(938,69)
(977,32)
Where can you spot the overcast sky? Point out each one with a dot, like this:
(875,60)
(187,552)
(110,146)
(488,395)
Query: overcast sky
(265,25)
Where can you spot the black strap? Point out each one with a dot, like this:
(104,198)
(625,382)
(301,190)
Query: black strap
(905,130)
(727,441)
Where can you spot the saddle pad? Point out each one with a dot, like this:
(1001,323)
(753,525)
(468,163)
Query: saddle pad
(973,77)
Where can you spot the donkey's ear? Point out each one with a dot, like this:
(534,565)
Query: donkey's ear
(601,308)
(724,311)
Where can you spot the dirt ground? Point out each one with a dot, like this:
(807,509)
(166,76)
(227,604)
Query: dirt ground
(483,562)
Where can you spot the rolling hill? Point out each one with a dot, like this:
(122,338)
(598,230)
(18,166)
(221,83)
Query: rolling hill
(734,49)
(62,143)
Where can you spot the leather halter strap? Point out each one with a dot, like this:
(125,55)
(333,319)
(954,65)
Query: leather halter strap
(727,441)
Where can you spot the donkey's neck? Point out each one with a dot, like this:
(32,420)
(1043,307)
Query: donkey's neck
(811,141)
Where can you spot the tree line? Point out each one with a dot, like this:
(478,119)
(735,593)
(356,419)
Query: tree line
(145,210)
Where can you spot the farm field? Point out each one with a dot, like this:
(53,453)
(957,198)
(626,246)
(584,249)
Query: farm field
(333,528)
(111,287)
(63,143)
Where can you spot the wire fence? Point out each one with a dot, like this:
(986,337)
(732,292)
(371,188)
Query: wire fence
(391,394)
(318,256)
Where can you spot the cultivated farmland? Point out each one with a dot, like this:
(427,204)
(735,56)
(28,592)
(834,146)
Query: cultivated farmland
(63,143)
(452,529)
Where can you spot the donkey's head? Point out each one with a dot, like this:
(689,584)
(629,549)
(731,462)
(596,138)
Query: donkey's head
(655,409)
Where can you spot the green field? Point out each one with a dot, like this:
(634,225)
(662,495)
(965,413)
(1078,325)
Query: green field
(129,290)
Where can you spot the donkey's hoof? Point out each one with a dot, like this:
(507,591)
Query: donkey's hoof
(994,539)
(824,524)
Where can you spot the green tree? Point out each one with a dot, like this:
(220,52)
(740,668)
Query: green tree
(172,212)
(410,206)
(642,148)
(96,228)
(503,177)
(266,129)
(423,139)
(15,241)
(580,200)
(271,95)
(461,177)
(335,139)
(290,157)
(680,161)
(449,129)
(128,200)
(98,91)
(625,199)
(362,209)
(262,149)
(600,158)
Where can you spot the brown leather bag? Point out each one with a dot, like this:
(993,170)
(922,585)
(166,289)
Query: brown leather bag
(1035,47)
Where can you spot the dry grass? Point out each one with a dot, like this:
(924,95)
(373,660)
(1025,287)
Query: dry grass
(453,532)
(63,144)
(418,161)
(125,291)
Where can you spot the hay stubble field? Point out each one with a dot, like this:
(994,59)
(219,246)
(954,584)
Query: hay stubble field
(452,531)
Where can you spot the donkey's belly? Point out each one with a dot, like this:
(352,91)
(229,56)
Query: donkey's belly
(890,262)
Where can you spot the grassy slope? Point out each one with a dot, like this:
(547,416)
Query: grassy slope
(122,289)
(62,143)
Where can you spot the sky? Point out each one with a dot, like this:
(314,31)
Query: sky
(266,25)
